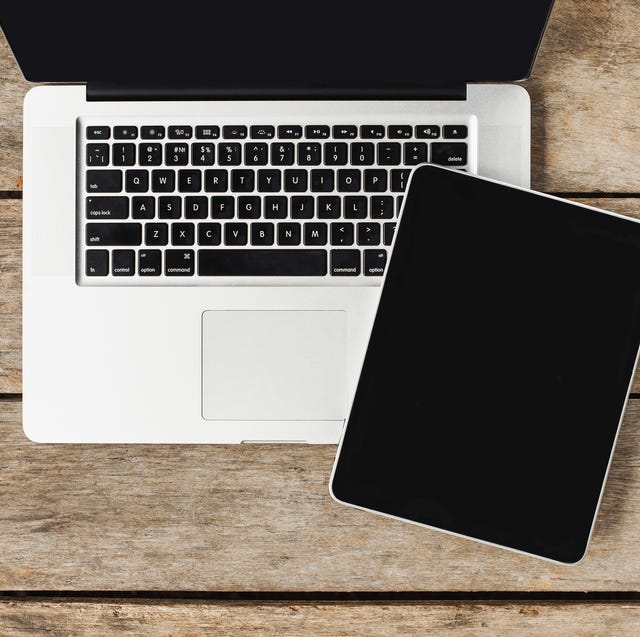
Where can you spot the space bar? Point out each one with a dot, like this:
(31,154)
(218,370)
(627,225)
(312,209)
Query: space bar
(262,262)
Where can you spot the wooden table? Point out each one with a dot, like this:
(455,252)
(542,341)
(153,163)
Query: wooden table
(228,539)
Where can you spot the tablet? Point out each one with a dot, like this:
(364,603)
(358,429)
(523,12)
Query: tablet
(498,366)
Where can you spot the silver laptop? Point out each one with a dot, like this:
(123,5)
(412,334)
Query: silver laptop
(210,194)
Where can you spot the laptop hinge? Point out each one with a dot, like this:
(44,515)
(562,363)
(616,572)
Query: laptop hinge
(106,92)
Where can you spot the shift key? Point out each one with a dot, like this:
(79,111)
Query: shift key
(113,234)
(104,180)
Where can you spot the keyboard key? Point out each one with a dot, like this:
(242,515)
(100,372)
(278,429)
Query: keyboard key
(189,180)
(290,132)
(123,263)
(104,180)
(315,234)
(176,154)
(322,180)
(275,262)
(107,207)
(96,262)
(389,154)
(362,154)
(234,132)
(156,234)
(399,179)
(372,132)
(179,262)
(98,132)
(275,208)
(182,234)
(449,154)
(341,234)
(302,207)
(329,208)
(149,263)
(375,180)
(399,201)
(349,180)
(207,132)
(209,234)
(143,207)
(196,208)
(309,154)
(255,154)
(215,180)
(415,153)
(399,132)
(355,207)
(222,207)
(454,132)
(345,263)
(136,180)
(97,154)
(282,154)
(345,132)
(336,154)
(388,232)
(150,154)
(249,208)
(113,234)
(202,154)
(269,180)
(152,132)
(242,180)
(368,234)
(125,132)
(163,181)
(169,207)
(180,132)
(262,234)
(316,132)
(289,234)
(427,131)
(295,180)
(229,154)
(374,262)
(124,154)
(262,132)
(235,234)
(381,208)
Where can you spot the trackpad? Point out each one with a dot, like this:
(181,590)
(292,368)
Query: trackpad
(274,365)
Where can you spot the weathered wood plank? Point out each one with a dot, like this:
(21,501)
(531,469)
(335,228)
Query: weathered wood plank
(18,619)
(259,518)
(585,87)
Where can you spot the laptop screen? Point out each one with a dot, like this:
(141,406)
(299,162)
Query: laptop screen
(280,43)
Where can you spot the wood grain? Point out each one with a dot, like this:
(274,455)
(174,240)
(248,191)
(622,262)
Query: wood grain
(259,518)
(584,89)
(79,619)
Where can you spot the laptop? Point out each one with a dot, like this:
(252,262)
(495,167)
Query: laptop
(210,194)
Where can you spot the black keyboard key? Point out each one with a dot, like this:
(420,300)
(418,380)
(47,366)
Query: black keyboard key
(97,262)
(242,180)
(156,234)
(341,234)
(374,262)
(336,154)
(269,180)
(202,154)
(249,208)
(180,132)
(123,263)
(375,180)
(256,154)
(316,132)
(371,132)
(124,154)
(295,180)
(282,154)
(302,207)
(345,263)
(389,154)
(149,263)
(150,154)
(399,201)
(196,208)
(309,154)
(345,132)
(182,234)
(229,154)
(289,234)
(235,234)
(163,181)
(179,262)
(275,262)
(209,234)
(143,207)
(388,232)
(449,154)
(97,154)
(355,207)
(152,132)
(368,234)
(289,132)
(362,153)
(262,234)
(381,208)
(216,181)
(104,180)
(169,207)
(222,207)
(399,132)
(349,180)
(322,180)
(234,132)
(329,207)
(454,132)
(275,207)
(136,180)
(415,153)
(113,234)
(315,234)
(98,132)
(125,132)
(399,178)
(107,207)
(262,132)
(176,154)
(207,132)
(189,180)
(427,131)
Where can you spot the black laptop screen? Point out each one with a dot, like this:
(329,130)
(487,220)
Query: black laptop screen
(273,44)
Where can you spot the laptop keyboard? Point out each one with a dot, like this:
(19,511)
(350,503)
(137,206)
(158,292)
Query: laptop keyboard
(204,202)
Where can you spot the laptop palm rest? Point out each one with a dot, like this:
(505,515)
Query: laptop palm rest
(274,365)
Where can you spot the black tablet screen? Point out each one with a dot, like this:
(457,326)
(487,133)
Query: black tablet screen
(498,366)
